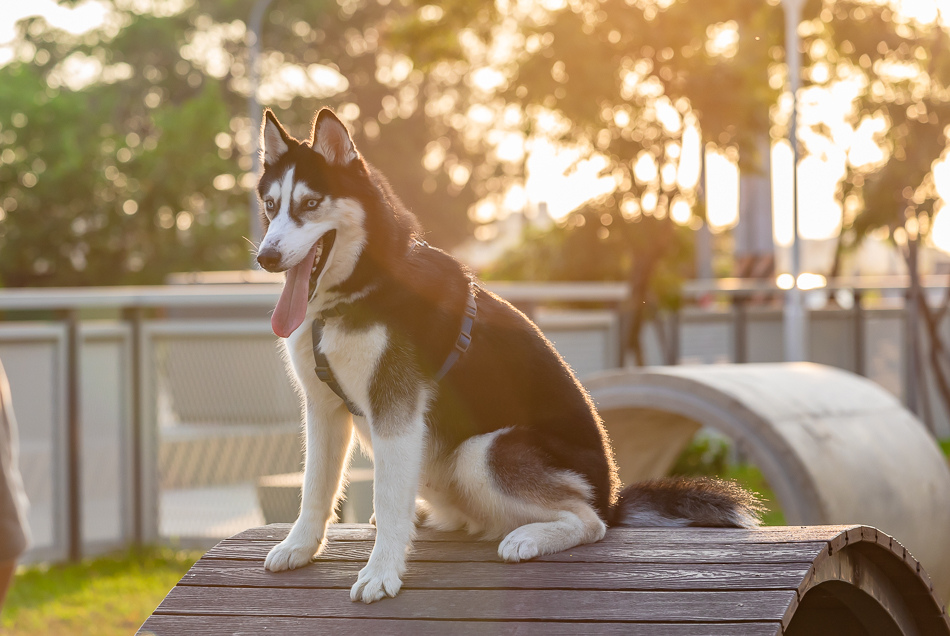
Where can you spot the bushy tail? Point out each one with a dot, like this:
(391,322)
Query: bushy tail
(686,501)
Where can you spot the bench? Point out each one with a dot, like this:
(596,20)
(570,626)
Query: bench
(670,582)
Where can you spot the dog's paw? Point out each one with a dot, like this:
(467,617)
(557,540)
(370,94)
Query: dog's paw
(519,545)
(375,583)
(290,555)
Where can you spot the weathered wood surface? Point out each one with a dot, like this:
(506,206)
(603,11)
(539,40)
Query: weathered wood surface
(228,625)
(644,581)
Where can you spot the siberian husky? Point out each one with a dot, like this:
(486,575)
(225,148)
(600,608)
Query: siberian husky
(498,438)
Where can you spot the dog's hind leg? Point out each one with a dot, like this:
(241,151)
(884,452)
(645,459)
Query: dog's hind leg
(511,490)
(571,528)
(329,434)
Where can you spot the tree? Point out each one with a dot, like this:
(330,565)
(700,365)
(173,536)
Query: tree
(142,169)
(101,185)
(903,69)
(627,82)
(652,255)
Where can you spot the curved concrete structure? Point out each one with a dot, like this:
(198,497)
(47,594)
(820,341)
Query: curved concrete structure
(835,447)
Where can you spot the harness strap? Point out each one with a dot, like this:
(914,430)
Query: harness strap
(464,341)
(323,370)
(325,373)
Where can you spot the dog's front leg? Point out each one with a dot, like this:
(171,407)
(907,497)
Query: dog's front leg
(398,448)
(329,431)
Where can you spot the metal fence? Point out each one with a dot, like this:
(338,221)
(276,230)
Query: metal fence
(165,414)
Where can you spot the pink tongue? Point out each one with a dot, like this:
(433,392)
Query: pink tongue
(291,307)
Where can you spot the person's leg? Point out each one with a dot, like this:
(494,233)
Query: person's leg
(14,534)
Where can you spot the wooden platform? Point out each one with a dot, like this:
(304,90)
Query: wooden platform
(795,580)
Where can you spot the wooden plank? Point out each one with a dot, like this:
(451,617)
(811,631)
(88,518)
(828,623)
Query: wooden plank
(804,552)
(161,625)
(772,534)
(547,605)
(530,575)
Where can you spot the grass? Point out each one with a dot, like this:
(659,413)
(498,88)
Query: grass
(107,596)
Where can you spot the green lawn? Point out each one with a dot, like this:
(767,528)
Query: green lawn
(106,596)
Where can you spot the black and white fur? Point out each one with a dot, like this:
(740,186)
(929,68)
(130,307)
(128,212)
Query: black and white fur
(507,446)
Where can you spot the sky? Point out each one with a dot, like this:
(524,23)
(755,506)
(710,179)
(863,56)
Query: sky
(79,19)
(555,178)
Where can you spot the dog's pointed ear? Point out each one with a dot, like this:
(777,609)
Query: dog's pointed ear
(274,139)
(331,139)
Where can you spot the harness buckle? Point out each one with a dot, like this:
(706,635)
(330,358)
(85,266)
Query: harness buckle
(464,342)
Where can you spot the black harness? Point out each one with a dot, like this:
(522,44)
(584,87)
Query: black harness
(325,373)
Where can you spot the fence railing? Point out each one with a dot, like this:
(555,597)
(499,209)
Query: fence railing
(149,413)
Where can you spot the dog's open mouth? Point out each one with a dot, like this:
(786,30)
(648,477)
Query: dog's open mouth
(324,245)
(300,286)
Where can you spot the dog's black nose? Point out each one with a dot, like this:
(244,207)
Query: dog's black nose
(269,258)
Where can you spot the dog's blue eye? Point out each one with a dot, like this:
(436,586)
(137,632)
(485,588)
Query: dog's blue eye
(269,204)
(311,203)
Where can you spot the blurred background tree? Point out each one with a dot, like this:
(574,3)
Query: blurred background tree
(124,150)
(629,81)
(643,87)
(899,69)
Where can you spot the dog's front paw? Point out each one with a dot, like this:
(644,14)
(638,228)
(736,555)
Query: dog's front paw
(290,554)
(374,583)
(519,545)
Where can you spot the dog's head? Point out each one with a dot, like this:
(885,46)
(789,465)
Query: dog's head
(313,219)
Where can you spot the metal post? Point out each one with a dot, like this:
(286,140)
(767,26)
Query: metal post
(618,309)
(135,316)
(255,24)
(859,334)
(73,438)
(675,337)
(911,378)
(795,320)
(739,348)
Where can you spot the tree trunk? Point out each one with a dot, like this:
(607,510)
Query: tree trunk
(937,358)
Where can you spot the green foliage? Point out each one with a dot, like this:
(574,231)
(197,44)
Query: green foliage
(115,183)
(598,243)
(140,173)
(869,41)
(105,596)
(705,455)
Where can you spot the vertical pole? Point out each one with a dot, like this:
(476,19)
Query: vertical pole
(860,336)
(621,345)
(740,353)
(704,270)
(255,24)
(795,320)
(135,316)
(73,438)
(910,348)
(675,335)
